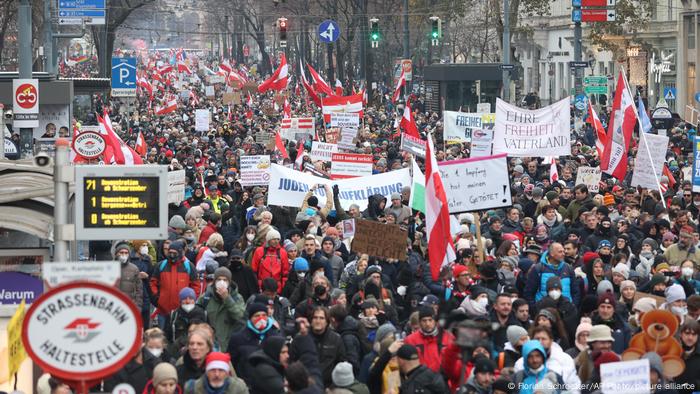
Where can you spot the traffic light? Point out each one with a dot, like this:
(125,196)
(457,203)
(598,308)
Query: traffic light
(282,25)
(374,35)
(436,30)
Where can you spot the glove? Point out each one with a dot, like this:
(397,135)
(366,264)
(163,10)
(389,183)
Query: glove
(579,272)
(401,290)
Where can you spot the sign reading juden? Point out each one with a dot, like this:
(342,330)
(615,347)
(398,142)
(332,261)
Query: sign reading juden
(82,331)
(543,132)
(121,202)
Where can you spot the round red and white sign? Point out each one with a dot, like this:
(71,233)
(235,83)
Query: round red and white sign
(82,331)
(89,144)
(26,96)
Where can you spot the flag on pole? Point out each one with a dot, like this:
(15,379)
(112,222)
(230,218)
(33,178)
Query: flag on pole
(279,144)
(594,121)
(399,84)
(417,198)
(338,88)
(553,171)
(441,250)
(318,83)
(287,109)
(278,80)
(623,119)
(182,67)
(141,146)
(169,107)
(643,117)
(341,104)
(121,153)
(408,124)
(299,162)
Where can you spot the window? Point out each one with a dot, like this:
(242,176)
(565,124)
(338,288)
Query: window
(690,30)
(690,83)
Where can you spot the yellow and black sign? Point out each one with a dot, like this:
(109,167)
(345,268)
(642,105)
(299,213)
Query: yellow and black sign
(113,202)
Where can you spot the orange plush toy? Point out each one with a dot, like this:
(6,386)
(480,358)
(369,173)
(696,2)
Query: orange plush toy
(658,330)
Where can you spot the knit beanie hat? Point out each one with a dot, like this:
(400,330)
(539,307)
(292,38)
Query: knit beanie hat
(384,331)
(607,298)
(223,271)
(272,234)
(674,293)
(163,372)
(187,292)
(645,304)
(177,222)
(300,264)
(121,246)
(514,333)
(426,311)
(605,286)
(604,358)
(622,269)
(255,307)
(553,283)
(342,374)
(627,283)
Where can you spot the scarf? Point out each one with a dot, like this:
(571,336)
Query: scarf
(432,333)
(220,390)
(261,333)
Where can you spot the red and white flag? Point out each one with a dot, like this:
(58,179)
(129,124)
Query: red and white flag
(249,102)
(278,80)
(399,84)
(145,85)
(194,100)
(121,153)
(339,88)
(319,84)
(234,77)
(553,171)
(622,122)
(594,121)
(279,144)
(301,123)
(287,109)
(351,104)
(169,107)
(441,250)
(407,123)
(182,67)
(141,147)
(165,69)
(226,66)
(312,93)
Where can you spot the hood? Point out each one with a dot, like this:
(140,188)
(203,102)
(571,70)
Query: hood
(543,260)
(349,325)
(373,204)
(259,357)
(531,346)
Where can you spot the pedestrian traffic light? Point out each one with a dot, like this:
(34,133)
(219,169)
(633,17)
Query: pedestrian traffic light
(436,30)
(374,35)
(282,25)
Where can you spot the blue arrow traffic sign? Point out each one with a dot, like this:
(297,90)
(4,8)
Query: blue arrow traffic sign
(82,4)
(124,73)
(82,13)
(576,15)
(328,31)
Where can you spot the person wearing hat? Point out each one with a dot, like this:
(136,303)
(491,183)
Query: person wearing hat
(176,227)
(460,286)
(683,249)
(169,277)
(482,376)
(676,302)
(164,380)
(475,305)
(343,378)
(181,318)
(551,264)
(430,339)
(224,306)
(568,312)
(646,257)
(218,378)
(621,331)
(270,260)
(416,377)
(242,275)
(217,200)
(401,211)
(129,281)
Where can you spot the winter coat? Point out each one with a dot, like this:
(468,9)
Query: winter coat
(232,385)
(557,361)
(536,285)
(271,262)
(245,280)
(331,351)
(430,346)
(574,207)
(225,316)
(354,340)
(374,209)
(130,283)
(179,322)
(676,255)
(143,263)
(267,375)
(472,387)
(207,231)
(422,380)
(246,341)
(337,265)
(690,374)
(149,389)
(133,373)
(187,369)
(355,388)
(526,379)
(167,281)
(402,213)
(621,331)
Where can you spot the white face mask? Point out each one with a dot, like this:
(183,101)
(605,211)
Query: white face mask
(143,250)
(687,271)
(679,310)
(221,284)
(188,307)
(484,302)
(401,290)
(156,352)
(301,275)
(250,237)
(555,294)
(122,258)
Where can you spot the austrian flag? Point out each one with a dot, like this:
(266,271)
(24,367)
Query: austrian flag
(352,104)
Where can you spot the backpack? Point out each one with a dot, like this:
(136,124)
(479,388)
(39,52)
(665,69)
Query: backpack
(279,259)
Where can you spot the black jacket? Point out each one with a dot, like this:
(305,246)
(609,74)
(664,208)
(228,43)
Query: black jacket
(245,279)
(353,333)
(188,370)
(690,374)
(242,344)
(331,351)
(133,373)
(267,375)
(423,380)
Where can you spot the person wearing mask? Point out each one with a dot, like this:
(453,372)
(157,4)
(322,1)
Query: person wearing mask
(270,260)
(218,378)
(551,264)
(130,280)
(142,259)
(182,318)
(416,377)
(297,277)
(224,306)
(567,310)
(687,278)
(676,302)
(164,380)
(169,277)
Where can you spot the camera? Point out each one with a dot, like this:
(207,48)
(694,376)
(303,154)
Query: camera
(8,114)
(41,159)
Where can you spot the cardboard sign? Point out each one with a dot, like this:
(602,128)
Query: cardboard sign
(413,145)
(625,377)
(347,139)
(332,135)
(482,140)
(649,163)
(263,137)
(589,176)
(476,184)
(379,239)
(176,186)
(201,120)
(322,151)
(348,165)
(255,170)
(339,119)
(233,98)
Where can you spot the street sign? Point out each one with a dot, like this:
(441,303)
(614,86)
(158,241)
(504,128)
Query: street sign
(121,202)
(576,15)
(578,64)
(597,15)
(82,331)
(670,93)
(507,67)
(595,80)
(25,104)
(59,273)
(82,13)
(124,77)
(576,3)
(697,97)
(328,31)
(595,89)
(82,4)
(598,3)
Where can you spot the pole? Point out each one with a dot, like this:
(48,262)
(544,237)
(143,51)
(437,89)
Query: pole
(363,41)
(506,50)
(578,85)
(406,43)
(2,132)
(48,38)
(60,208)
(24,23)
(225,37)
(331,78)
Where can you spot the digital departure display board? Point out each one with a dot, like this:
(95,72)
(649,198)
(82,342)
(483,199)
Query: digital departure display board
(121,202)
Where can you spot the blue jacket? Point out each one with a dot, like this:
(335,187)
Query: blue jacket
(527,379)
(536,285)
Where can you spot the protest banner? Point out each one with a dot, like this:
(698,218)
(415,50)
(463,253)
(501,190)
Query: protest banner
(459,126)
(476,184)
(481,142)
(322,151)
(696,165)
(176,186)
(255,170)
(263,137)
(649,163)
(379,239)
(543,132)
(215,79)
(288,187)
(340,119)
(294,129)
(348,165)
(332,135)
(347,139)
(201,120)
(209,91)
(412,145)
(625,377)
(589,176)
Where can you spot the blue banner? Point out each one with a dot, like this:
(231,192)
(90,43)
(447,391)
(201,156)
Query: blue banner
(696,164)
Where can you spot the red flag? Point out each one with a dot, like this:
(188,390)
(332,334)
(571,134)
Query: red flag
(338,88)
(342,104)
(287,109)
(319,84)
(407,123)
(279,144)
(112,140)
(312,94)
(169,107)
(145,85)
(165,69)
(399,84)
(141,147)
(193,98)
(553,171)
(669,175)
(226,66)
(183,68)
(278,80)
(594,121)
(622,120)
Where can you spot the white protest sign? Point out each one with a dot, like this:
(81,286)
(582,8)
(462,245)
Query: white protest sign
(589,176)
(322,151)
(176,186)
(255,170)
(649,163)
(292,128)
(476,184)
(58,273)
(288,187)
(625,377)
(459,126)
(339,119)
(209,91)
(216,79)
(543,132)
(201,120)
(349,165)
(481,142)
(347,138)
(348,228)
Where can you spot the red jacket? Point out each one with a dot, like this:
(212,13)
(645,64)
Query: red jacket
(452,366)
(430,347)
(208,230)
(167,281)
(269,262)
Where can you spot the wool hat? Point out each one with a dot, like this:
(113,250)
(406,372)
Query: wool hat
(342,374)
(370,302)
(503,384)
(272,234)
(514,333)
(223,271)
(583,327)
(534,249)
(483,365)
(163,372)
(518,169)
(604,358)
(332,231)
(645,304)
(316,265)
(687,231)
(604,243)
(458,269)
(668,236)
(384,331)
(607,298)
(662,266)
(178,246)
(395,196)
(218,360)
(600,332)
(177,222)
(272,346)
(551,195)
(407,352)
(187,292)
(300,264)
(553,283)
(588,257)
(537,192)
(655,362)
(657,279)
(589,303)
(289,246)
(651,242)
(476,291)
(122,246)
(604,286)
(549,315)
(622,269)
(373,269)
(426,311)
(255,307)
(674,293)
(627,283)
